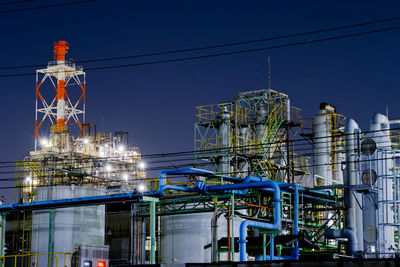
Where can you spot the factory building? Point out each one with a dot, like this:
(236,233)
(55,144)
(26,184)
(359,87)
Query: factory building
(265,185)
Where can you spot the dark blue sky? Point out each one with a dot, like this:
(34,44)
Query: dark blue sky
(155,103)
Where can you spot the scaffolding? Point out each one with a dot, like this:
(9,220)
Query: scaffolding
(250,136)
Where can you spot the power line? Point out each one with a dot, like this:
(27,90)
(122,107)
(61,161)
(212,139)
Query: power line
(46,6)
(15,2)
(103,180)
(206,151)
(227,53)
(220,45)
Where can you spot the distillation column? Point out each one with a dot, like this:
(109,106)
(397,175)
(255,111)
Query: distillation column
(353,212)
(224,133)
(322,146)
(378,170)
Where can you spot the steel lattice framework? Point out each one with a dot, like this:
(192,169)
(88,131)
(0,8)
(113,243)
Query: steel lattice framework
(60,108)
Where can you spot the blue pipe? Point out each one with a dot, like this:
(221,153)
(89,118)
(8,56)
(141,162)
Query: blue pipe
(80,201)
(187,171)
(344,233)
(276,225)
(271,246)
(268,258)
(259,182)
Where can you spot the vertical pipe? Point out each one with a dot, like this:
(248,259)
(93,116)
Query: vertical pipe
(3,237)
(214,234)
(288,152)
(264,246)
(229,235)
(49,250)
(296,220)
(143,245)
(133,235)
(271,246)
(233,226)
(350,179)
(152,232)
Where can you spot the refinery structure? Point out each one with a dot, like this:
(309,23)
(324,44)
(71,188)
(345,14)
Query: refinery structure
(264,184)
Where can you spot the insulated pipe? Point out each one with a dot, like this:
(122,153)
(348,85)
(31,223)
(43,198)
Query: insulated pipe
(344,233)
(256,182)
(162,181)
(295,253)
(247,184)
(269,258)
(214,240)
(69,202)
(271,246)
(349,181)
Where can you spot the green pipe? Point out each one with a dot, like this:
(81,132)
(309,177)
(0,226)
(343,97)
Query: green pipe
(264,246)
(51,212)
(152,201)
(279,250)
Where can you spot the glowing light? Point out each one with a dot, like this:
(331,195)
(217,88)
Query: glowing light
(121,148)
(142,165)
(125,176)
(28,179)
(35,182)
(86,141)
(44,142)
(108,168)
(101,264)
(141,188)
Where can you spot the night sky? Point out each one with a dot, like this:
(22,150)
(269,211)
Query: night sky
(155,103)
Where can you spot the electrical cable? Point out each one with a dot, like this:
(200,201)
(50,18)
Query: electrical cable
(46,6)
(220,45)
(307,42)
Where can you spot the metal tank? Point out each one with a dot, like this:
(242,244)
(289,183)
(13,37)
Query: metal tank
(376,172)
(353,212)
(67,228)
(224,133)
(322,145)
(184,237)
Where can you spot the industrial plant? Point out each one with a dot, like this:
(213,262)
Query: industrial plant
(263,184)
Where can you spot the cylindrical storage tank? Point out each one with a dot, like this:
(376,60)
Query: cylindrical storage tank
(70,227)
(184,237)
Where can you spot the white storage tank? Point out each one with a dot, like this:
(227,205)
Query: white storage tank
(183,237)
(71,227)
